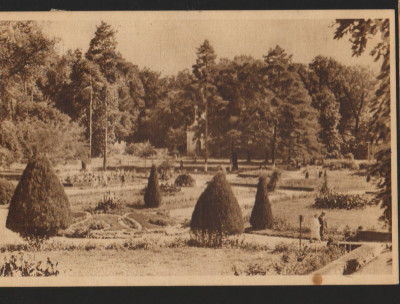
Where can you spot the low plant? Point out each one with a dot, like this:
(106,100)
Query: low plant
(206,239)
(169,189)
(158,222)
(6,191)
(339,164)
(98,225)
(107,205)
(22,265)
(185,180)
(301,261)
(334,200)
(255,269)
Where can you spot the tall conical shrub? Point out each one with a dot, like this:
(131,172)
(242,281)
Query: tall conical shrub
(217,209)
(152,196)
(273,182)
(39,206)
(261,215)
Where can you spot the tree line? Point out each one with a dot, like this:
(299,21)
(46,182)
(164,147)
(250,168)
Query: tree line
(270,106)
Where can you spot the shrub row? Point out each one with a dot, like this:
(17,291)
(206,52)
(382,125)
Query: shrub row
(333,200)
(338,164)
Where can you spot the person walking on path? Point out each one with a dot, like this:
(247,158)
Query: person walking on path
(315,229)
(323,225)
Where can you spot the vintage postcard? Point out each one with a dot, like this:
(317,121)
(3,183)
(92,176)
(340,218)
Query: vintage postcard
(198,148)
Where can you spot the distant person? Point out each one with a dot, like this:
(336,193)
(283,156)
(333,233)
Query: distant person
(323,225)
(315,229)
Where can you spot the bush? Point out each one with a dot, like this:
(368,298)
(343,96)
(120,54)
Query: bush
(152,197)
(108,204)
(185,180)
(261,215)
(39,207)
(295,261)
(333,200)
(340,164)
(273,182)
(6,191)
(349,156)
(23,266)
(169,189)
(166,170)
(217,209)
(142,150)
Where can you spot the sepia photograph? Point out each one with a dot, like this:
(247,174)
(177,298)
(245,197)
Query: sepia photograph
(198,148)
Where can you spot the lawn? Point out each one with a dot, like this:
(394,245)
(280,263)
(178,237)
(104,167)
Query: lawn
(173,217)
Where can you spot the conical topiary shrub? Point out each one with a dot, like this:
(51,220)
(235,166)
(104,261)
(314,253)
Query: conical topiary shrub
(152,196)
(261,215)
(273,182)
(217,210)
(39,206)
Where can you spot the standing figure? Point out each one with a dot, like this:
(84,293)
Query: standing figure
(323,225)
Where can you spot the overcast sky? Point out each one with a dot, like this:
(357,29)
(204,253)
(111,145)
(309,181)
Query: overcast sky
(169,45)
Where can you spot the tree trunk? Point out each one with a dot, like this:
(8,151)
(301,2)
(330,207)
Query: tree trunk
(274,143)
(356,128)
(90,121)
(206,134)
(235,165)
(105,142)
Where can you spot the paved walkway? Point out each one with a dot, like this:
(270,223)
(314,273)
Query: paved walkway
(381,265)
(6,235)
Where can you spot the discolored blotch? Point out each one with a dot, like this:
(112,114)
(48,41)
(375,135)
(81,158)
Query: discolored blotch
(316,279)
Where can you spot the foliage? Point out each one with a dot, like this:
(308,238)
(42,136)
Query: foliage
(39,206)
(360,31)
(295,131)
(169,189)
(166,169)
(108,204)
(333,200)
(261,215)
(185,180)
(25,266)
(152,197)
(217,209)
(303,261)
(6,191)
(338,164)
(142,150)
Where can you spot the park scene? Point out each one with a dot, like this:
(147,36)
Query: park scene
(237,164)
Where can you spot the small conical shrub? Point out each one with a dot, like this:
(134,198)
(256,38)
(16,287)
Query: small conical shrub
(39,206)
(235,165)
(273,182)
(261,215)
(325,186)
(152,196)
(217,210)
